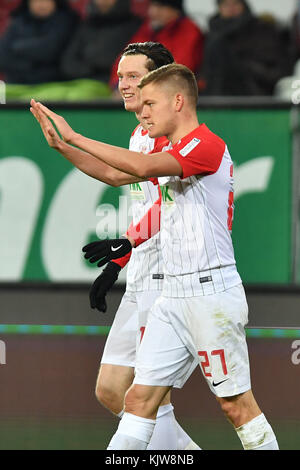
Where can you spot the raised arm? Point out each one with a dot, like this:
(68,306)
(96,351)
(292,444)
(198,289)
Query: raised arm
(83,160)
(134,163)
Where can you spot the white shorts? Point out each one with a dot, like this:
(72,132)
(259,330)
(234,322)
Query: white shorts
(208,329)
(128,328)
(120,346)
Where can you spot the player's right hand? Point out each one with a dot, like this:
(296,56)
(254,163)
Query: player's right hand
(65,130)
(101,286)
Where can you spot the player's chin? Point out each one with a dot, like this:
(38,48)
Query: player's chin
(153,132)
(131,106)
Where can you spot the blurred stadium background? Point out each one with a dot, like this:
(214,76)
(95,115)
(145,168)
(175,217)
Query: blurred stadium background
(52,341)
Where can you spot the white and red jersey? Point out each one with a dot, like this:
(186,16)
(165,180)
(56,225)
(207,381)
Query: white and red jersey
(196,217)
(145,267)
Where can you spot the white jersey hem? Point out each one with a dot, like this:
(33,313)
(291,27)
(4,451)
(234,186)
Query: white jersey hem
(209,282)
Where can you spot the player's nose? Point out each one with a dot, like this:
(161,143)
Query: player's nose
(145,112)
(123,84)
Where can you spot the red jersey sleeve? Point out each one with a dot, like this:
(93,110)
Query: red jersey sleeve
(199,153)
(148,226)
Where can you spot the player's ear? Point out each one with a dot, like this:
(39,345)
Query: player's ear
(179,101)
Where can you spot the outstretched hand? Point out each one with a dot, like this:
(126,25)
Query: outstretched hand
(47,127)
(65,130)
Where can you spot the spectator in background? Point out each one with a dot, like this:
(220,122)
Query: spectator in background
(295,35)
(244,55)
(6,6)
(167,23)
(31,47)
(99,40)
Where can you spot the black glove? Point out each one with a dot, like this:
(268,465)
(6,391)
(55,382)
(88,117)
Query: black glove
(102,285)
(106,250)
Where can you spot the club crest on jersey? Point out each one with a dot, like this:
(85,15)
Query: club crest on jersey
(136,191)
(189,147)
(144,149)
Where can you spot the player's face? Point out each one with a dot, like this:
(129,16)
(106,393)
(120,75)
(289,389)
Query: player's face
(130,71)
(158,110)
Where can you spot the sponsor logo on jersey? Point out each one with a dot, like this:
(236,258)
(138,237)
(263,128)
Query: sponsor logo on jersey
(136,191)
(167,195)
(189,147)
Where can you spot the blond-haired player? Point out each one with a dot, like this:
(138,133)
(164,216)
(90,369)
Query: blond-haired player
(202,311)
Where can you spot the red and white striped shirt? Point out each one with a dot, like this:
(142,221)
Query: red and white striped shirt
(145,267)
(196,217)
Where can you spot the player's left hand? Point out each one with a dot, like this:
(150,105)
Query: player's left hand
(49,132)
(106,250)
(101,286)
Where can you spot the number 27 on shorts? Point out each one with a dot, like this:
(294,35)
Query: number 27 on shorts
(206,363)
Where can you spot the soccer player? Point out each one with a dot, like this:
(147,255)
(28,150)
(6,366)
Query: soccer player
(144,275)
(202,311)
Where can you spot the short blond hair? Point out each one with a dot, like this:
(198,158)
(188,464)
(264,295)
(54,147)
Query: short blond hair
(180,76)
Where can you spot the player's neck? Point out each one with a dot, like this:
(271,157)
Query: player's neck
(183,129)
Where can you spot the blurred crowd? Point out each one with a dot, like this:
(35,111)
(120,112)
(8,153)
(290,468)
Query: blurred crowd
(54,43)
